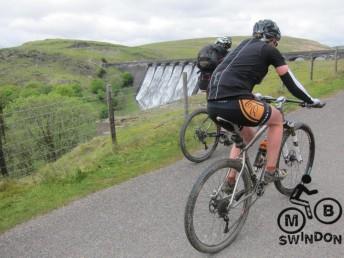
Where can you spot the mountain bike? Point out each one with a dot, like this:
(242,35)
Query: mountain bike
(213,218)
(199,136)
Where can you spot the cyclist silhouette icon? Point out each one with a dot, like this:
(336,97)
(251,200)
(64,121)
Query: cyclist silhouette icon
(299,189)
(292,220)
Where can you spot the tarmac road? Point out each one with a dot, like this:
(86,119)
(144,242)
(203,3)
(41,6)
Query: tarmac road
(144,216)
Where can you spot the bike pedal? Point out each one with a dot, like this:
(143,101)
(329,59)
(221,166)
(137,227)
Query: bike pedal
(261,189)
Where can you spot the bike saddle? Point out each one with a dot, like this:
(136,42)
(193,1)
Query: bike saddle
(229,126)
(233,128)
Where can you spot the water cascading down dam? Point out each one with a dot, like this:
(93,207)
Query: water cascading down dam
(163,83)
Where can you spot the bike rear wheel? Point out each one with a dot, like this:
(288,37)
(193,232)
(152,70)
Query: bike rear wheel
(288,157)
(199,136)
(207,210)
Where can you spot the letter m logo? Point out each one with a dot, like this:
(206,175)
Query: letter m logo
(291,221)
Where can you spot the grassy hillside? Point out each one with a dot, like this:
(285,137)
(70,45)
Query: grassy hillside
(55,61)
(90,50)
(188,48)
(50,62)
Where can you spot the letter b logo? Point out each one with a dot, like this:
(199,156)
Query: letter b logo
(328,210)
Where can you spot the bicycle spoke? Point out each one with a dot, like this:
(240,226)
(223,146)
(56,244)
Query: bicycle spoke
(199,136)
(209,214)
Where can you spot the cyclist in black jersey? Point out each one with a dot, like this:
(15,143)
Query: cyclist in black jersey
(230,92)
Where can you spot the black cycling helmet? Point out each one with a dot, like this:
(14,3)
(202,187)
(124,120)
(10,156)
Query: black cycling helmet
(266,29)
(225,42)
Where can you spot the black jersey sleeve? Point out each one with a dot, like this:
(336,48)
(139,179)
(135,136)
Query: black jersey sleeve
(273,56)
(295,87)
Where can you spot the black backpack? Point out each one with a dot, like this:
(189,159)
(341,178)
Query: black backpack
(207,60)
(209,57)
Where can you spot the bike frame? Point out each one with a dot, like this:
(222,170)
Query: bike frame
(246,163)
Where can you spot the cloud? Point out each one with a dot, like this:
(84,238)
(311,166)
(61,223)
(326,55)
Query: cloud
(133,22)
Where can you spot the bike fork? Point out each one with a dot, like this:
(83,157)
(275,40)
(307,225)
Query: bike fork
(296,146)
(291,127)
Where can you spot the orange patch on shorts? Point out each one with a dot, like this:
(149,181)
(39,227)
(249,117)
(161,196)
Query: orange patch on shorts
(252,109)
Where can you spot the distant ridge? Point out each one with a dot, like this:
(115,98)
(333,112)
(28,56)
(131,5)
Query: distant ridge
(54,61)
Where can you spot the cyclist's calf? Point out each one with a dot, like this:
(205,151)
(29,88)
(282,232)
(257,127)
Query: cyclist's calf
(275,133)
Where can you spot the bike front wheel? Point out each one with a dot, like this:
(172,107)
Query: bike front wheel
(211,224)
(296,157)
(199,136)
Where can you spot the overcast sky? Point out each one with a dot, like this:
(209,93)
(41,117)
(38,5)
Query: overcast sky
(135,22)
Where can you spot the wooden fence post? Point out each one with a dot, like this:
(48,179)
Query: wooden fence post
(336,60)
(3,166)
(312,67)
(111,114)
(185,90)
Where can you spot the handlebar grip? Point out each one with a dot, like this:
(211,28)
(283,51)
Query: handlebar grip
(317,105)
(320,105)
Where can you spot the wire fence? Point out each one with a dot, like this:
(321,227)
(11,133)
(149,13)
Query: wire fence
(41,130)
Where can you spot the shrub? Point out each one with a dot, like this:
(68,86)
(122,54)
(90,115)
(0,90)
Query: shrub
(127,79)
(31,89)
(119,100)
(7,94)
(101,95)
(68,90)
(104,112)
(101,73)
(97,85)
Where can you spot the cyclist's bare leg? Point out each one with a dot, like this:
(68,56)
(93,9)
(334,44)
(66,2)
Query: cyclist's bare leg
(247,134)
(274,137)
(275,132)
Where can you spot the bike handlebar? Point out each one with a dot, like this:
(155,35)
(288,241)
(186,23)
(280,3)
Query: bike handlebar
(283,99)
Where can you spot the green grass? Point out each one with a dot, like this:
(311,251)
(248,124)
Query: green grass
(149,142)
(60,60)
(130,105)
(189,48)
(89,50)
(95,165)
